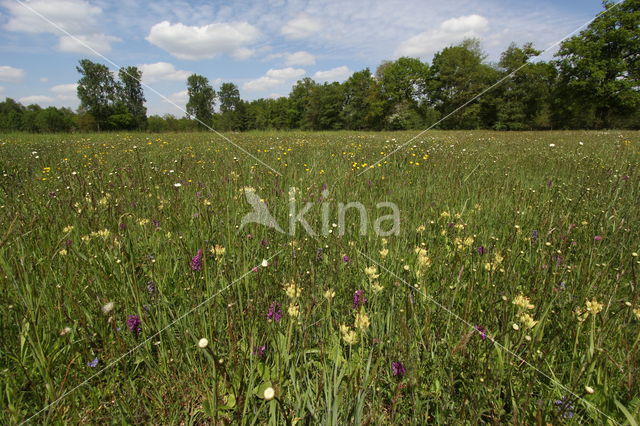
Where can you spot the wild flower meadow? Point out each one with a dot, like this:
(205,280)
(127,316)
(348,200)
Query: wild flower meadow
(131,294)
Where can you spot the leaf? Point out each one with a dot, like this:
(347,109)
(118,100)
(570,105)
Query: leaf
(632,421)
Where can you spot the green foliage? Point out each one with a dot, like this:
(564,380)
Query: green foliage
(201,99)
(600,67)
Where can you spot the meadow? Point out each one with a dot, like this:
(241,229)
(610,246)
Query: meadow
(131,294)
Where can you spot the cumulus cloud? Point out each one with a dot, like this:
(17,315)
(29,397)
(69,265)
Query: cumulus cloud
(273,78)
(334,74)
(87,44)
(77,17)
(447,33)
(295,58)
(11,74)
(36,99)
(301,26)
(66,92)
(208,41)
(160,71)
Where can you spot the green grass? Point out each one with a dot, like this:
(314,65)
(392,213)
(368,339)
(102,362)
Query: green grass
(456,191)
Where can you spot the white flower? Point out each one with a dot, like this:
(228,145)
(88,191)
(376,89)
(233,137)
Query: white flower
(269,393)
(552,145)
(177,185)
(588,389)
(203,343)
(107,308)
(264,263)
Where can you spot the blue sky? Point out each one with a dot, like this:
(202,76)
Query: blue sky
(262,46)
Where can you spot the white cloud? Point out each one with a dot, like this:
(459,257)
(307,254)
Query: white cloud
(36,99)
(334,74)
(11,74)
(44,79)
(301,26)
(299,58)
(66,92)
(243,53)
(285,73)
(449,32)
(273,78)
(208,41)
(178,98)
(262,83)
(77,17)
(160,71)
(87,44)
(1,89)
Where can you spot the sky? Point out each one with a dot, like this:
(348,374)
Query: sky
(263,46)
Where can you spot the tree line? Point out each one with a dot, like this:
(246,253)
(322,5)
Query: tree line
(593,83)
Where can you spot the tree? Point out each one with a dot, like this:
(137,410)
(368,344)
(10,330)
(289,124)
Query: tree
(600,68)
(97,91)
(230,107)
(404,85)
(523,100)
(363,105)
(298,103)
(201,99)
(323,110)
(132,95)
(458,75)
(11,113)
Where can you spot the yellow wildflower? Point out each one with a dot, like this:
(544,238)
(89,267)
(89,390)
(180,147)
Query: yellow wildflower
(362,321)
(329,294)
(292,290)
(294,310)
(527,320)
(593,307)
(523,302)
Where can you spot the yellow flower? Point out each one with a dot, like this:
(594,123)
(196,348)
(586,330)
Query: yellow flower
(143,222)
(350,337)
(206,202)
(636,312)
(67,229)
(292,290)
(362,321)
(377,288)
(384,252)
(593,307)
(294,310)
(420,229)
(581,314)
(62,252)
(344,329)
(218,250)
(527,320)
(329,294)
(372,272)
(523,302)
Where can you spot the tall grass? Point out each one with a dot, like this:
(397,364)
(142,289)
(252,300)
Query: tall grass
(89,220)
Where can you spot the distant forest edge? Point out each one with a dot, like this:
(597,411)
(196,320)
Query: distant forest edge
(593,83)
